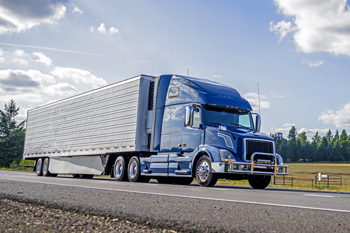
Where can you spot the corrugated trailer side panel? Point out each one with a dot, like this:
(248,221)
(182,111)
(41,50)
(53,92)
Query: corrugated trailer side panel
(109,119)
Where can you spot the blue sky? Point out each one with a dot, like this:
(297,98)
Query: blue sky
(298,51)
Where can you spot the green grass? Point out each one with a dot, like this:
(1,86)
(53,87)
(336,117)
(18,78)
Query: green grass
(304,175)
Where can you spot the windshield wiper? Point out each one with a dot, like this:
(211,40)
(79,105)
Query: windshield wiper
(241,126)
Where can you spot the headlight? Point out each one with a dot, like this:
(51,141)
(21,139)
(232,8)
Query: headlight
(226,155)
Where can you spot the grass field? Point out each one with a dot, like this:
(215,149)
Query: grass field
(303,175)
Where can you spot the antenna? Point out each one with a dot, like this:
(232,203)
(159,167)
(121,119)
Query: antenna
(188,73)
(258,96)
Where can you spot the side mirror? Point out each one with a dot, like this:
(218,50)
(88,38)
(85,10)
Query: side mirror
(188,117)
(257,122)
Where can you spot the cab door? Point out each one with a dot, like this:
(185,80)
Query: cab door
(192,137)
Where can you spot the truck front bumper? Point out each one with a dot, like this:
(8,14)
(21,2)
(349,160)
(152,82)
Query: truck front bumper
(253,167)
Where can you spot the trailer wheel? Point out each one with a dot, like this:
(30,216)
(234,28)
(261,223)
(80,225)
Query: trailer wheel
(259,182)
(183,180)
(119,169)
(39,167)
(46,167)
(204,175)
(134,171)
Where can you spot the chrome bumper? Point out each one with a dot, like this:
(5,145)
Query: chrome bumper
(249,167)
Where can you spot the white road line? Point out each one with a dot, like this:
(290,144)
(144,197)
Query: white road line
(316,195)
(186,196)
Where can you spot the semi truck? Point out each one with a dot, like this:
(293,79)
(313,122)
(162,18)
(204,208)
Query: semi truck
(171,128)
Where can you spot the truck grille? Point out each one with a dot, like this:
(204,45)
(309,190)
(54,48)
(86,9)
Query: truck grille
(253,146)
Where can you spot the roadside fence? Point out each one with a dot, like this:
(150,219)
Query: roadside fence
(326,180)
(283,180)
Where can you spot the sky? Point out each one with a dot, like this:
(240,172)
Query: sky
(296,51)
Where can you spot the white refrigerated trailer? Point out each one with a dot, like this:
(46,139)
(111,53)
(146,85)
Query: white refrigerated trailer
(76,135)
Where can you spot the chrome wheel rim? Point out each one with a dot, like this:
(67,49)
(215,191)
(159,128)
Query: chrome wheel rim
(133,169)
(45,166)
(203,171)
(38,166)
(118,169)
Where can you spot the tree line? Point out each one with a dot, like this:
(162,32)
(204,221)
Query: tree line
(11,136)
(333,148)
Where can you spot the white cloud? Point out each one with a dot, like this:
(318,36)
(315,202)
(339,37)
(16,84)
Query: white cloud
(113,30)
(42,58)
(2,59)
(102,29)
(77,9)
(18,17)
(20,57)
(340,118)
(288,125)
(254,101)
(281,28)
(61,89)
(31,88)
(78,76)
(318,26)
(313,63)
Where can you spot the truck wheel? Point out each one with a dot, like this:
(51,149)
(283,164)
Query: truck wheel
(119,169)
(204,175)
(183,180)
(39,167)
(46,167)
(134,171)
(259,182)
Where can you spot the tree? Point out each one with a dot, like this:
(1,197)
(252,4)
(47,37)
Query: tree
(316,138)
(11,135)
(329,136)
(292,135)
(302,138)
(343,135)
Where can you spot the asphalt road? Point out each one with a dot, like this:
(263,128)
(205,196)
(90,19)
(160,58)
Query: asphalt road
(187,208)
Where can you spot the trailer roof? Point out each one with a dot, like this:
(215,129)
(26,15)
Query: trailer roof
(94,90)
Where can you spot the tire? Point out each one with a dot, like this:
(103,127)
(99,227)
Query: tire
(119,169)
(76,175)
(183,180)
(134,171)
(39,167)
(259,182)
(204,174)
(45,167)
(165,180)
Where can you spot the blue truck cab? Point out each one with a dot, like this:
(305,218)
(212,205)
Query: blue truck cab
(205,130)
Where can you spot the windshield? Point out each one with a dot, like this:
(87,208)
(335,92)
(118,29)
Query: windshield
(239,118)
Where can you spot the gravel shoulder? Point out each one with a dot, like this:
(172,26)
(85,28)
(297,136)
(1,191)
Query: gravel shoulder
(18,216)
